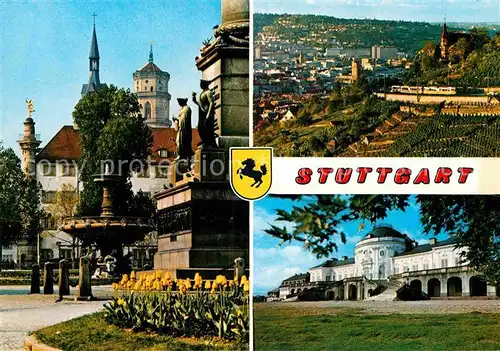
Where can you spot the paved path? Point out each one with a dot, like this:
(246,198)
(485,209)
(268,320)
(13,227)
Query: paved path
(20,314)
(387,307)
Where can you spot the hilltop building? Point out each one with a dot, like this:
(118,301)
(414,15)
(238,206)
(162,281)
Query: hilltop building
(448,39)
(384,261)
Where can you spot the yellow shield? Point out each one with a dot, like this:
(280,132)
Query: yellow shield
(251,171)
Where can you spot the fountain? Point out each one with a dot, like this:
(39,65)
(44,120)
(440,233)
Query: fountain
(109,232)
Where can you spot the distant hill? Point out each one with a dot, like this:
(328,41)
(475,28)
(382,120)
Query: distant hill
(407,36)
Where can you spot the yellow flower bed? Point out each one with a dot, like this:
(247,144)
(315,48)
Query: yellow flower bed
(157,281)
(189,307)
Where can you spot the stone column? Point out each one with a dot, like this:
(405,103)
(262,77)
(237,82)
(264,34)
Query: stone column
(234,11)
(239,268)
(444,286)
(48,279)
(465,284)
(425,280)
(225,64)
(35,279)
(85,289)
(491,290)
(63,277)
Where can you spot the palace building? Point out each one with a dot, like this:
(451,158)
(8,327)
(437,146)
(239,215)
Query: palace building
(385,262)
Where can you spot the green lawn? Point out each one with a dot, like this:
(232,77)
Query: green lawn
(292,328)
(91,332)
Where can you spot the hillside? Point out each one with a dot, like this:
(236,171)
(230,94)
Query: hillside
(378,128)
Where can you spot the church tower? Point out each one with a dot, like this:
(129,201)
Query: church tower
(151,88)
(444,43)
(94,81)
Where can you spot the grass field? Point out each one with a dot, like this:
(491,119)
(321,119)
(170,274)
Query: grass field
(291,328)
(91,332)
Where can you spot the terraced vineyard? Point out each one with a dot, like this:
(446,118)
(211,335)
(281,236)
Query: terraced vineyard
(435,136)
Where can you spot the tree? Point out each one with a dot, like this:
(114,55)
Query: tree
(473,220)
(111,129)
(20,211)
(65,203)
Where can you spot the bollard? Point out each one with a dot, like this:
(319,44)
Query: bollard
(63,277)
(85,289)
(239,268)
(35,279)
(48,279)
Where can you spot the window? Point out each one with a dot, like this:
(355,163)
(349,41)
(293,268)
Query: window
(151,88)
(163,153)
(382,253)
(444,263)
(48,197)
(173,238)
(328,277)
(49,169)
(146,81)
(415,267)
(68,170)
(144,173)
(147,110)
(457,261)
(426,266)
(162,172)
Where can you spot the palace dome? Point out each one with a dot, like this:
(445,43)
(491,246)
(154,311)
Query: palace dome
(383,231)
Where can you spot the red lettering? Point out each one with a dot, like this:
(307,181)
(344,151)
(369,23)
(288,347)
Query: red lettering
(363,172)
(402,176)
(422,177)
(323,174)
(343,175)
(443,175)
(383,172)
(304,176)
(464,173)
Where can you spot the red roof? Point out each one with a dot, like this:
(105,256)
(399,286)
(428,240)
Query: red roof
(65,144)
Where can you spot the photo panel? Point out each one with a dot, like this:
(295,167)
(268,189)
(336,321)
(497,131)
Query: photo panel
(374,78)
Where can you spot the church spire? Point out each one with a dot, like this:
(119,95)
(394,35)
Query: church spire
(94,81)
(151,53)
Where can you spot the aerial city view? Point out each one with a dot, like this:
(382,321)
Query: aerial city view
(362,87)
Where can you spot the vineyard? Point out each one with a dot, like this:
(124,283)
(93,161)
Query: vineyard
(436,136)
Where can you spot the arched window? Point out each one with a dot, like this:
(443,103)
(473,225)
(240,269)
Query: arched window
(151,88)
(147,110)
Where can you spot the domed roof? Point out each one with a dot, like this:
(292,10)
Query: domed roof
(383,231)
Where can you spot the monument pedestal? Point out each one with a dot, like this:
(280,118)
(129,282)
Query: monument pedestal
(202,227)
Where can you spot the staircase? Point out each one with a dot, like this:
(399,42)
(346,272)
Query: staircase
(389,294)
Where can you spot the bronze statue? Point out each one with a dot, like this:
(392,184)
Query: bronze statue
(184,131)
(207,125)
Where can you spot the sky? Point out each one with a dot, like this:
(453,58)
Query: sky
(274,263)
(409,10)
(45,48)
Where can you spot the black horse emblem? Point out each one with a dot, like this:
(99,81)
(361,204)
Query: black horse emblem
(247,169)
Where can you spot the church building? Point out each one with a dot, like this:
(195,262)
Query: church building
(385,260)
